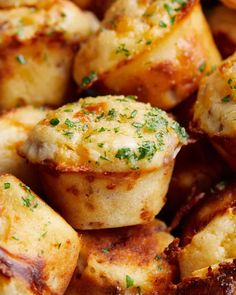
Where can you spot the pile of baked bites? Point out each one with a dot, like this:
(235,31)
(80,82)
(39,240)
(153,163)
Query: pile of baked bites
(121,116)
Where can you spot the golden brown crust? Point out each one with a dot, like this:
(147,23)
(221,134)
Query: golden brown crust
(134,251)
(38,249)
(147,70)
(213,204)
(221,281)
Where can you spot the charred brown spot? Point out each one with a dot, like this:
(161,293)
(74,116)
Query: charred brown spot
(73,189)
(26,269)
(146,215)
(219,282)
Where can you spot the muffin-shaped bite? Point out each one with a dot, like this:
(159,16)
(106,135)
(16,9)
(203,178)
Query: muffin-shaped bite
(38,249)
(37,48)
(106,161)
(15,126)
(209,235)
(157,50)
(214,111)
(222,22)
(217,279)
(124,261)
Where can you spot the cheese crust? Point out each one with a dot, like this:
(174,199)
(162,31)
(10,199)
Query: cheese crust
(127,261)
(111,158)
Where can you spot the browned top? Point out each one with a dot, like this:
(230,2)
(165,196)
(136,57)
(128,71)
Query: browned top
(219,282)
(31,271)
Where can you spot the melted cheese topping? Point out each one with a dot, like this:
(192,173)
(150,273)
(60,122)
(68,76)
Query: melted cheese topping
(129,28)
(110,133)
(64,18)
(215,109)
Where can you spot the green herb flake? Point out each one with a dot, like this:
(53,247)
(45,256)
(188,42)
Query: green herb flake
(147,150)
(133,114)
(69,123)
(162,24)
(169,9)
(129,155)
(137,125)
(202,67)
(148,42)
(123,50)
(133,97)
(180,131)
(129,281)
(68,134)
(112,113)
(21,59)
(226,98)
(157,257)
(116,129)
(54,121)
(14,238)
(105,250)
(7,185)
(87,80)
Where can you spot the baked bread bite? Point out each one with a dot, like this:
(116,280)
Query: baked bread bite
(209,234)
(15,125)
(215,108)
(124,261)
(157,50)
(222,21)
(37,48)
(106,161)
(38,249)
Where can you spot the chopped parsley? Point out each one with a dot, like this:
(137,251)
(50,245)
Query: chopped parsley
(87,80)
(7,185)
(123,50)
(129,281)
(21,59)
(112,113)
(180,131)
(29,200)
(226,98)
(54,121)
(202,67)
(105,250)
(129,155)
(162,24)
(147,150)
